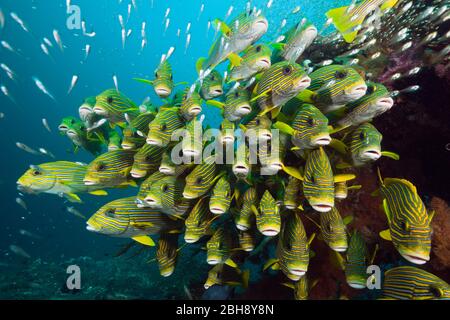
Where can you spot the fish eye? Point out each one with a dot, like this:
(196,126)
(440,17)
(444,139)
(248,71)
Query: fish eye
(36,173)
(370,90)
(72,121)
(171,77)
(436,292)
(213,78)
(313,180)
(361,136)
(258,49)
(287,70)
(310,122)
(101,167)
(110,213)
(404,225)
(258,122)
(82,128)
(289,246)
(156,74)
(199,180)
(236,94)
(165,188)
(110,100)
(340,74)
(163,127)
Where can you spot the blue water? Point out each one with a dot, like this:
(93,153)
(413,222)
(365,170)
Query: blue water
(64,235)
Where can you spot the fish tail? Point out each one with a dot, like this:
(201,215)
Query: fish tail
(343,22)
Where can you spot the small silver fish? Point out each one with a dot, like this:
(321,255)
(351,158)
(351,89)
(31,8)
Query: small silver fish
(75,212)
(58,40)
(41,87)
(29,234)
(26,148)
(5,91)
(22,203)
(45,124)
(46,153)
(17,19)
(73,83)
(19,251)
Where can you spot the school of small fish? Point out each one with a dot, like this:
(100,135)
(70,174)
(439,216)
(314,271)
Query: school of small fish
(304,114)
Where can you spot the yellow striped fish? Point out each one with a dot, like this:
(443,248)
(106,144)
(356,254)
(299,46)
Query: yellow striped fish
(198,222)
(247,240)
(60,177)
(122,218)
(191,104)
(280,83)
(356,262)
(169,168)
(163,126)
(333,230)
(219,247)
(254,60)
(165,194)
(167,253)
(113,105)
(409,222)
(333,86)
(146,161)
(222,274)
(145,186)
(201,179)
(411,283)
(163,81)
(226,134)
(341,189)
(111,169)
(212,86)
(292,193)
(268,219)
(237,104)
(220,200)
(133,134)
(244,218)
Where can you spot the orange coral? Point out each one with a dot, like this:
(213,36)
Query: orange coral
(441,236)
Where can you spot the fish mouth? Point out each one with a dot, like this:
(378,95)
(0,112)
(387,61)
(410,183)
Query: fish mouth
(191,153)
(385,103)
(215,92)
(340,195)
(242,227)
(140,203)
(264,63)
(416,258)
(339,248)
(127,146)
(100,111)
(356,285)
(195,110)
(217,210)
(227,139)
(89,182)
(113,147)
(289,206)
(270,232)
(91,228)
(357,92)
(261,26)
(190,239)
(265,135)
(303,83)
(322,141)
(137,175)
(322,207)
(166,170)
(372,154)
(248,249)
(275,166)
(297,272)
(154,142)
(63,128)
(243,110)
(187,195)
(213,261)
(240,169)
(85,110)
(167,273)
(162,92)
(71,133)
(151,202)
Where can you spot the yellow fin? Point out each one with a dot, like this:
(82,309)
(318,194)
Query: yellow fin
(245,278)
(254,210)
(387,211)
(235,59)
(224,28)
(386,235)
(355,187)
(390,154)
(311,238)
(269,264)
(339,146)
(231,263)
(343,165)
(132,183)
(284,127)
(306,96)
(199,64)
(289,285)
(345,22)
(263,94)
(146,240)
(293,172)
(215,103)
(275,112)
(347,220)
(243,128)
(344,177)
(150,82)
(99,193)
(388,4)
(72,197)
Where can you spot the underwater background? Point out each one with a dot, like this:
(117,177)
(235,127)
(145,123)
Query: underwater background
(418,130)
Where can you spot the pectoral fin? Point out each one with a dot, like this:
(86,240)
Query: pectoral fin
(343,177)
(294,172)
(215,103)
(284,127)
(145,240)
(150,82)
(270,264)
(339,146)
(390,154)
(72,197)
(99,193)
(386,235)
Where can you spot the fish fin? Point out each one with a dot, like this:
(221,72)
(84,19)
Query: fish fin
(375,250)
(235,59)
(386,210)
(224,28)
(347,220)
(242,127)
(386,235)
(255,210)
(343,22)
(289,285)
(284,127)
(431,214)
(337,129)
(388,4)
(182,83)
(99,193)
(231,263)
(344,177)
(339,260)
(306,96)
(150,82)
(293,172)
(355,187)
(339,146)
(300,207)
(132,183)
(295,149)
(311,238)
(275,112)
(72,197)
(391,155)
(263,94)
(235,194)
(215,103)
(278,46)
(270,263)
(199,64)
(145,240)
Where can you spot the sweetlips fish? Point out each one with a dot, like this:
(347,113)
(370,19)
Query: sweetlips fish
(292,193)
(292,249)
(309,129)
(301,287)
(163,82)
(78,133)
(268,219)
(113,105)
(60,177)
(198,222)
(412,283)
(296,41)
(165,194)
(247,240)
(220,247)
(260,126)
(333,230)
(221,196)
(332,87)
(201,179)
(408,219)
(244,218)
(244,30)
(212,86)
(279,84)
(242,167)
(255,59)
(226,135)
(341,189)
(192,145)
(114,139)
(86,112)
(356,262)
(146,161)
(122,218)
(134,135)
(318,180)
(363,146)
(163,126)
(222,274)
(167,253)
(236,105)
(191,104)
(168,167)
(111,169)
(145,186)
